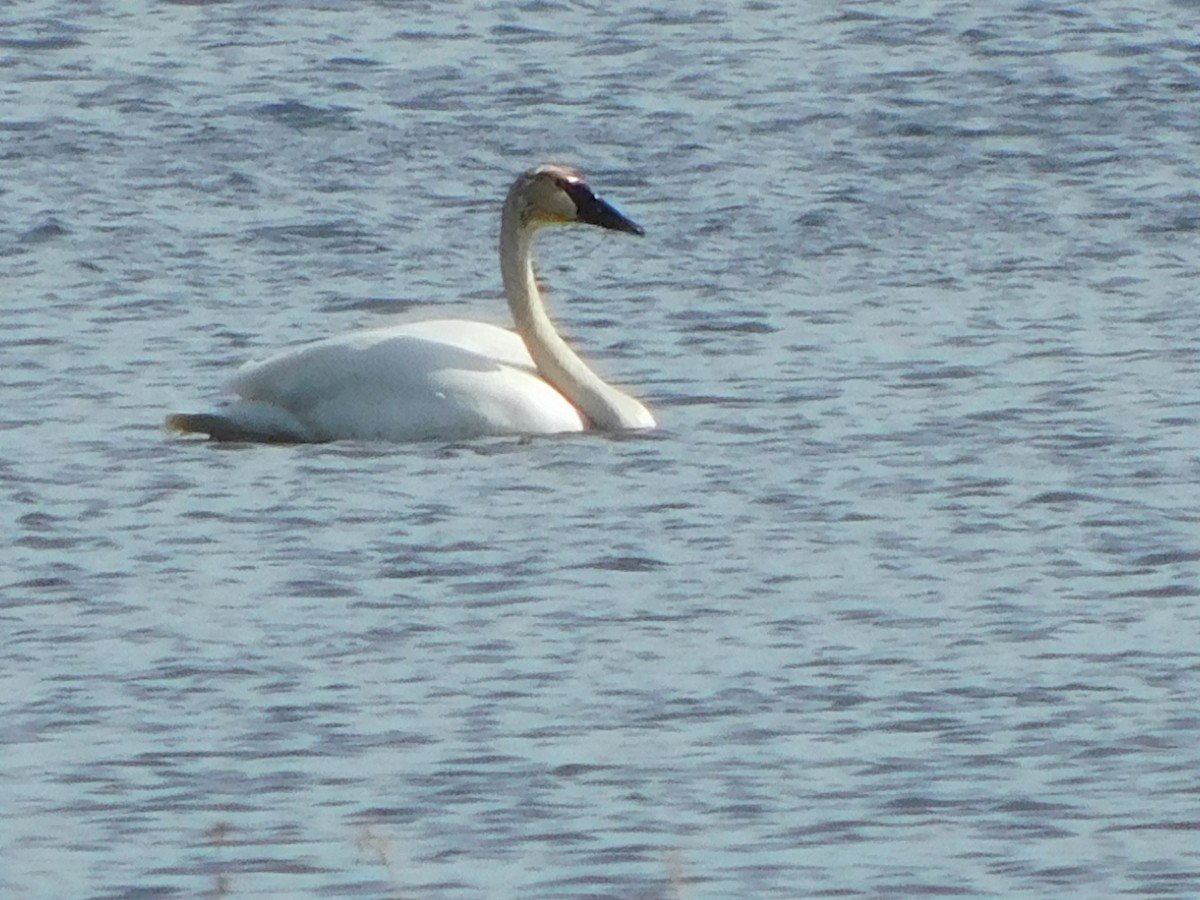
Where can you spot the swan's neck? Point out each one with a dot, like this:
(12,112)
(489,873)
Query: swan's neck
(604,406)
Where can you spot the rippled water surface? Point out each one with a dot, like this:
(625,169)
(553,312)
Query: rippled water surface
(901,601)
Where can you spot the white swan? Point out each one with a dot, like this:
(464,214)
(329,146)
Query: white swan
(449,378)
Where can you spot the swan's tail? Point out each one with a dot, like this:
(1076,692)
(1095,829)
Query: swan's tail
(257,422)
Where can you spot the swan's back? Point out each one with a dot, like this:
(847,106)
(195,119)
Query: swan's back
(448,379)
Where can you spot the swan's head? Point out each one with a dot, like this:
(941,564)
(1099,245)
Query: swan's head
(559,195)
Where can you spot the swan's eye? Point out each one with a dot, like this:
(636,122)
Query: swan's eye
(581,195)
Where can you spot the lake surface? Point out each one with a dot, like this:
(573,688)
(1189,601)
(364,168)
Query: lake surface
(903,600)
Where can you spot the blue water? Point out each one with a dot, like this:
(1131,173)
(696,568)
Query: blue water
(901,601)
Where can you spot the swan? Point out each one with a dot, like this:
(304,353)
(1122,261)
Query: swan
(448,378)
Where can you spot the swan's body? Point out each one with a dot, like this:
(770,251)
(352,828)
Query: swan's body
(443,379)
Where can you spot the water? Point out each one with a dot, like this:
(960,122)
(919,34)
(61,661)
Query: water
(902,600)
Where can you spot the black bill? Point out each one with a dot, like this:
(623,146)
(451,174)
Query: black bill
(594,211)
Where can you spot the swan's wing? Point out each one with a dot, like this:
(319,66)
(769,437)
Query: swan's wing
(445,378)
(500,344)
(393,358)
